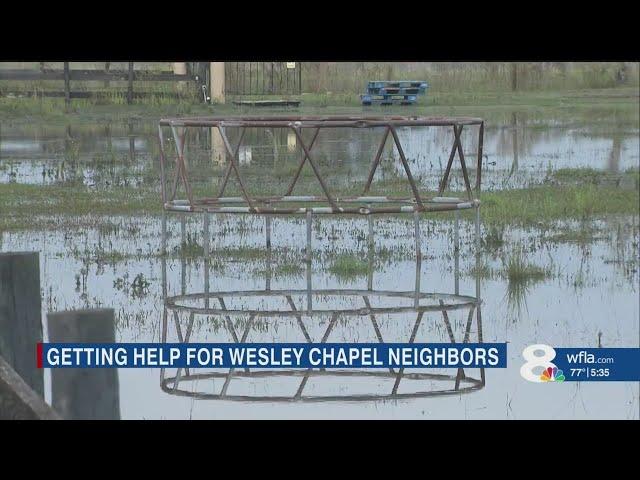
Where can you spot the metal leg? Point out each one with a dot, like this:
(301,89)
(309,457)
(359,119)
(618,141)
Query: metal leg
(163,264)
(206,234)
(309,302)
(183,260)
(416,221)
(478,252)
(371,245)
(456,253)
(478,295)
(163,248)
(207,253)
(411,340)
(268,242)
(267,228)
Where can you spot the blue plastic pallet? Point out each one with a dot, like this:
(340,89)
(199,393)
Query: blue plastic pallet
(387,92)
(398,84)
(388,99)
(396,90)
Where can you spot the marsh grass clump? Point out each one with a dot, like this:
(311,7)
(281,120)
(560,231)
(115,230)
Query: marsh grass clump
(348,266)
(289,270)
(584,235)
(517,269)
(482,270)
(244,253)
(138,288)
(589,176)
(281,270)
(576,175)
(533,205)
(494,238)
(521,275)
(190,248)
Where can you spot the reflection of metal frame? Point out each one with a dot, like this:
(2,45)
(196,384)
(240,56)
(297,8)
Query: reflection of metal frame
(362,204)
(435,302)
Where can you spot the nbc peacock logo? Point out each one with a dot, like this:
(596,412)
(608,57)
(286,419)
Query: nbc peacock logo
(552,374)
(538,367)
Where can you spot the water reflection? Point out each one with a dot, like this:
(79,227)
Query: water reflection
(317,315)
(519,148)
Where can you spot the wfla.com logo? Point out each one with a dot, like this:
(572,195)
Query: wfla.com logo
(531,369)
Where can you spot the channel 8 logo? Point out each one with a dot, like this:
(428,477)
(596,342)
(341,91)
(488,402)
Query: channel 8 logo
(546,370)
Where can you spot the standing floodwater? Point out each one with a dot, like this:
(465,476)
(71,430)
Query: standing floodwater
(570,282)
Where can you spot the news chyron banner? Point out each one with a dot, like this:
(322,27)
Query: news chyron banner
(540,363)
(273,355)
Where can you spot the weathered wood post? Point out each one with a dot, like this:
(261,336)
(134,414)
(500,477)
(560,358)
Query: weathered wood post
(84,393)
(21,315)
(218,150)
(130,88)
(18,401)
(107,65)
(180,68)
(217,82)
(67,85)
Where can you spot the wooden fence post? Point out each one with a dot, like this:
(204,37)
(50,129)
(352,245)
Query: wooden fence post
(130,89)
(84,393)
(217,82)
(67,85)
(21,315)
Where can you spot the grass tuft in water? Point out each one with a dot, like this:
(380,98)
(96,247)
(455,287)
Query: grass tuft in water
(348,266)
(494,238)
(190,248)
(521,275)
(518,270)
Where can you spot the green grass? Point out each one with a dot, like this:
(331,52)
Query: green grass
(623,101)
(348,266)
(190,248)
(572,176)
(482,270)
(282,270)
(583,235)
(521,275)
(31,206)
(517,269)
(545,204)
(493,238)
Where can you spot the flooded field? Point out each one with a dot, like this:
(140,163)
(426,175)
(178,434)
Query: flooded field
(200,278)
(520,149)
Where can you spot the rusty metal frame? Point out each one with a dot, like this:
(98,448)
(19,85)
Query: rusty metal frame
(424,302)
(462,383)
(362,204)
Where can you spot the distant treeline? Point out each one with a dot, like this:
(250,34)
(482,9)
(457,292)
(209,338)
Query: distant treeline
(351,77)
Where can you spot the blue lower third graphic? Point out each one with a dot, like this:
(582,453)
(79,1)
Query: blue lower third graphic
(598,364)
(270,355)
